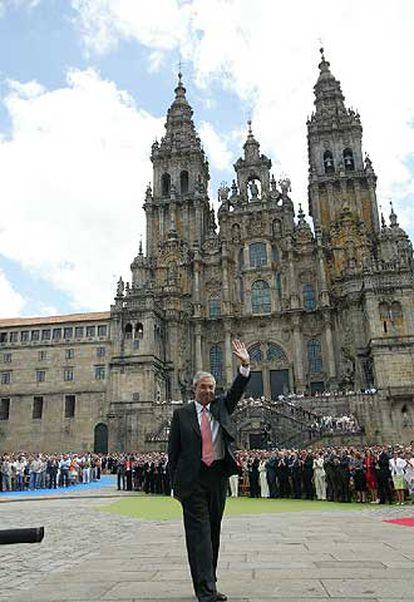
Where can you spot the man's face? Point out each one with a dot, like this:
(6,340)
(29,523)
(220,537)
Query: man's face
(204,390)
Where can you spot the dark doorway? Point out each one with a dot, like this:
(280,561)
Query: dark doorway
(279,383)
(255,385)
(316,387)
(258,441)
(100,445)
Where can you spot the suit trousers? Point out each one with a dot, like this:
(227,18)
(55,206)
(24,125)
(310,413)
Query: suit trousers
(203,510)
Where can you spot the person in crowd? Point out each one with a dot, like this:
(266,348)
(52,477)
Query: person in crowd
(319,476)
(397,467)
(371,476)
(264,485)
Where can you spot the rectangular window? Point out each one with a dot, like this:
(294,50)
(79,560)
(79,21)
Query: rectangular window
(37,407)
(68,374)
(40,376)
(90,331)
(5,378)
(7,358)
(24,336)
(69,354)
(5,408)
(14,337)
(57,334)
(46,334)
(70,401)
(102,330)
(41,355)
(35,336)
(68,332)
(79,332)
(100,352)
(3,337)
(99,372)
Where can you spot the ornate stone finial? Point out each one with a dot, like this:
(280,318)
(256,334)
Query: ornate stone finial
(273,185)
(249,126)
(285,186)
(148,192)
(383,224)
(234,189)
(120,287)
(393,217)
(140,246)
(127,288)
(322,51)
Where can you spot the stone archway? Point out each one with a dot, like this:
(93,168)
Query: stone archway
(100,444)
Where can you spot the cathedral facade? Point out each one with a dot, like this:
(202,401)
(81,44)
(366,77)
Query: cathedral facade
(322,308)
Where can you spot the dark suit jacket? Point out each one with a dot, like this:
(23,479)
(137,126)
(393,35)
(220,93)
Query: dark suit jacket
(184,444)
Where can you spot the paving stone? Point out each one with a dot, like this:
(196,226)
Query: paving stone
(367,588)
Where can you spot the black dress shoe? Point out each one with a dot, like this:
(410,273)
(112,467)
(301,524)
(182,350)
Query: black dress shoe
(221,597)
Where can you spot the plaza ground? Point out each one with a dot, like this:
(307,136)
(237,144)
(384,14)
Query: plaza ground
(132,548)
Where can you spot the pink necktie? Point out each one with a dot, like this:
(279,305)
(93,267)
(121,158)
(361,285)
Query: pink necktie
(206,439)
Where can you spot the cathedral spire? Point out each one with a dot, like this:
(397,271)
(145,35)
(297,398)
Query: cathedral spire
(329,100)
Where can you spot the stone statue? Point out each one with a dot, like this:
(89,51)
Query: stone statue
(285,186)
(223,192)
(273,184)
(254,190)
(200,187)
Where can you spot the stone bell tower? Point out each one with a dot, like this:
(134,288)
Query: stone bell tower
(177,202)
(339,175)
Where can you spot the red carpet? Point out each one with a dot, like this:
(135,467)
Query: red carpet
(406,522)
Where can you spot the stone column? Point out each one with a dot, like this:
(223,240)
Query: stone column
(198,348)
(330,354)
(298,356)
(294,299)
(228,355)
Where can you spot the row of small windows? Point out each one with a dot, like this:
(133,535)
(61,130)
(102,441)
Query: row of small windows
(6,377)
(348,160)
(55,334)
(37,408)
(258,255)
(42,355)
(166,183)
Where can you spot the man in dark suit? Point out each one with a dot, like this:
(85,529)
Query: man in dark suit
(201,459)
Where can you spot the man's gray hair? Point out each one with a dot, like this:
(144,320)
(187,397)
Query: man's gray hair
(201,374)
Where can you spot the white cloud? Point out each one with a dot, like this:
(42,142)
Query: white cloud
(215,146)
(11,302)
(74,171)
(266,52)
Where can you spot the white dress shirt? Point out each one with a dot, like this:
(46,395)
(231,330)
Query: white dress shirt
(216,430)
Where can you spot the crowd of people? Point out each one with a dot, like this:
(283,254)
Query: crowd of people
(24,471)
(377,474)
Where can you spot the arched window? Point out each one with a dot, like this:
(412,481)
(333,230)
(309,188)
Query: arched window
(184,182)
(128,331)
(309,300)
(139,331)
(275,253)
(255,352)
(214,307)
(328,162)
(349,159)
(216,362)
(275,352)
(314,356)
(257,254)
(397,318)
(165,184)
(261,297)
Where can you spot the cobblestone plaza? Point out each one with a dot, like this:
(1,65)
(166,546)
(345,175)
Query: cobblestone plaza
(88,554)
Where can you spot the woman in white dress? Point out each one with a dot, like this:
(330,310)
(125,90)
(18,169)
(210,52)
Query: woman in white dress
(397,468)
(264,485)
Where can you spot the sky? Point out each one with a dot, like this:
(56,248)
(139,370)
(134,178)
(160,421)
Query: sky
(84,89)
